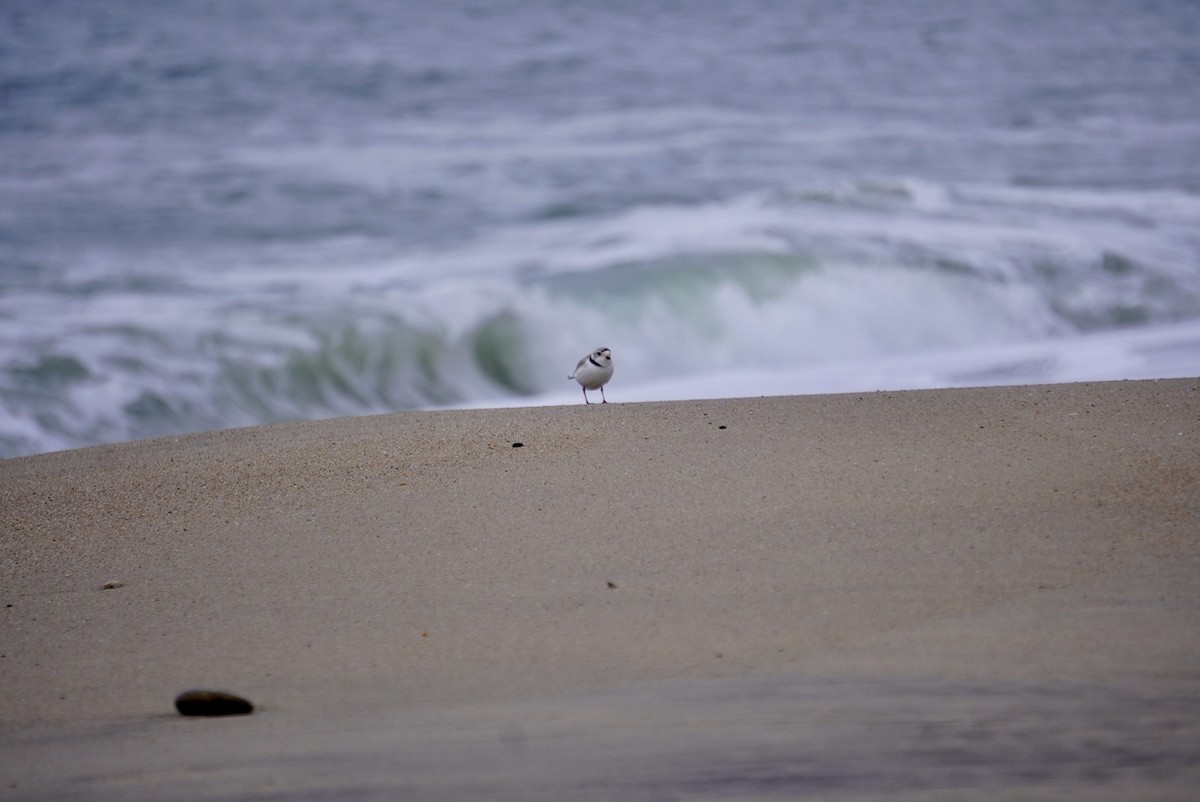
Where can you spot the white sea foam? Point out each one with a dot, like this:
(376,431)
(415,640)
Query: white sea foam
(1160,353)
(877,285)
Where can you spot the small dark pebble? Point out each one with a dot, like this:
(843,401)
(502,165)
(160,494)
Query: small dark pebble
(211,703)
(112,585)
(612,584)
(518,445)
(720,427)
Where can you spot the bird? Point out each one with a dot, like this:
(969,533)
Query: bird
(593,372)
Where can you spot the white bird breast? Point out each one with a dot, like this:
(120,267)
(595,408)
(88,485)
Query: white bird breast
(589,375)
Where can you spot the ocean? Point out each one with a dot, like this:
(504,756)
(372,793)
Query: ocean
(234,212)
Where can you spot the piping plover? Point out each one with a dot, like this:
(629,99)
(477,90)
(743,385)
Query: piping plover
(593,372)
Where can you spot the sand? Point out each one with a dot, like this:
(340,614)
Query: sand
(973,592)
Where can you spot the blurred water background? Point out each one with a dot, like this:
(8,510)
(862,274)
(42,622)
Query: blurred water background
(232,212)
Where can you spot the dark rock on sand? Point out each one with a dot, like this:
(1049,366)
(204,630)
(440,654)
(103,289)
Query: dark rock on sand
(212,703)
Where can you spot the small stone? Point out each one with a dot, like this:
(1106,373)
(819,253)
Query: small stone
(211,703)
(518,445)
(612,584)
(113,585)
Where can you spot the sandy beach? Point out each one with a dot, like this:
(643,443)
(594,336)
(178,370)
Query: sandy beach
(972,593)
